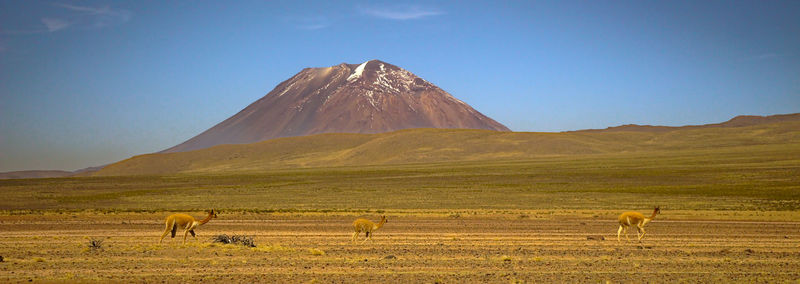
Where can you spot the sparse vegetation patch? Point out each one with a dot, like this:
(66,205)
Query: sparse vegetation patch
(96,244)
(242,240)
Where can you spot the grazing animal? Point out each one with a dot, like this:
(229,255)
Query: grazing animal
(185,222)
(366,226)
(628,219)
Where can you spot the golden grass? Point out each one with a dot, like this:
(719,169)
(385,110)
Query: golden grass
(444,145)
(747,169)
(314,251)
(489,249)
(272,248)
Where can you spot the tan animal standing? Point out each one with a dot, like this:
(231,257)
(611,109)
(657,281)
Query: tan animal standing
(628,219)
(185,222)
(366,226)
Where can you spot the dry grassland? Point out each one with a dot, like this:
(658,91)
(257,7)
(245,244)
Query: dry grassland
(730,201)
(412,248)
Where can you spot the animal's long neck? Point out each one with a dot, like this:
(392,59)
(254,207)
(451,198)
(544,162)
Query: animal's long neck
(654,215)
(648,219)
(383,221)
(206,219)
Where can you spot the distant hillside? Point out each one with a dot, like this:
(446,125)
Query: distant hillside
(748,120)
(448,145)
(49,173)
(34,174)
(739,121)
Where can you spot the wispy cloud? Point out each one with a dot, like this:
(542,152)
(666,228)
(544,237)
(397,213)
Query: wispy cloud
(54,25)
(309,22)
(87,9)
(765,56)
(313,27)
(97,17)
(399,12)
(76,16)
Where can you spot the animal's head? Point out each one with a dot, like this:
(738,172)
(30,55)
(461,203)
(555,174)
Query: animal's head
(213,213)
(657,210)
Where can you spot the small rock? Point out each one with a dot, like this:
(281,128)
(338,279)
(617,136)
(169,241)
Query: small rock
(749,251)
(390,257)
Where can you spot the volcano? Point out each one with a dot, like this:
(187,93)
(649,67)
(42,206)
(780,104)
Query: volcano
(371,97)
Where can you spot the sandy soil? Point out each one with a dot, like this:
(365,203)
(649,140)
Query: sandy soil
(308,248)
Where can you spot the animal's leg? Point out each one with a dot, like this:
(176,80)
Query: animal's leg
(367,237)
(166,231)
(641,229)
(185,234)
(355,236)
(174,230)
(619,232)
(625,232)
(192,232)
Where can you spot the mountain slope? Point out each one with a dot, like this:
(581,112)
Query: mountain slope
(34,174)
(372,97)
(739,121)
(448,145)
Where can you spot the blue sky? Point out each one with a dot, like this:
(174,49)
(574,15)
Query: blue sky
(92,82)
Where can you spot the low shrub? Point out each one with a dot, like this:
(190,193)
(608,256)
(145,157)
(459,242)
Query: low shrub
(234,239)
(96,244)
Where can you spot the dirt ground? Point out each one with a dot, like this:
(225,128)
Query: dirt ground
(408,249)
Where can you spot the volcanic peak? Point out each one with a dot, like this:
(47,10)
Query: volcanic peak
(370,97)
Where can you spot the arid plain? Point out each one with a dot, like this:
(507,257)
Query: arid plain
(529,246)
(729,199)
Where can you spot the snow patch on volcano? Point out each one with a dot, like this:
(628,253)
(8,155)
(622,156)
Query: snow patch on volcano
(357,74)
